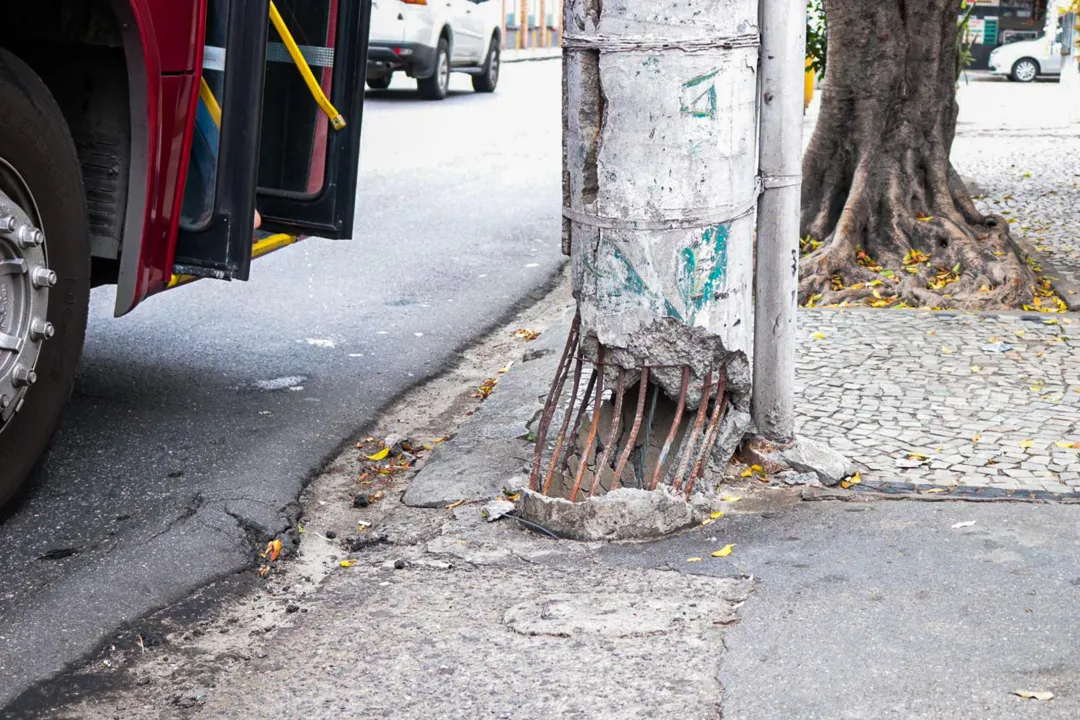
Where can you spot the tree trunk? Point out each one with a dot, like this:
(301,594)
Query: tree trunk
(885,217)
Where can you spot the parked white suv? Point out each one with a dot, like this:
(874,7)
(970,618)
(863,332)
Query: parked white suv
(1028,59)
(427,39)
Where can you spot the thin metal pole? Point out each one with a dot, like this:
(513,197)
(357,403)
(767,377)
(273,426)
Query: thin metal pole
(776,281)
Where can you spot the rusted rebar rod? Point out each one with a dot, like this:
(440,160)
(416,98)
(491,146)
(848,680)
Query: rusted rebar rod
(593,427)
(691,439)
(613,435)
(557,385)
(719,406)
(561,437)
(638,414)
(674,429)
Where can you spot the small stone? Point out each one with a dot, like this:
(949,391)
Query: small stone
(809,456)
(361,500)
(144,680)
(496,509)
(395,441)
(797,478)
(399,564)
(290,609)
(330,534)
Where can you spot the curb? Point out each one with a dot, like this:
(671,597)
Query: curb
(1067,289)
(547,54)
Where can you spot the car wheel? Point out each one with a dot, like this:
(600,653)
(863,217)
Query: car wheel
(1025,70)
(379,83)
(44,269)
(487,80)
(436,86)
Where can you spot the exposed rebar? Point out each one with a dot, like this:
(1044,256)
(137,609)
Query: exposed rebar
(638,415)
(557,385)
(674,429)
(613,436)
(691,439)
(593,427)
(719,405)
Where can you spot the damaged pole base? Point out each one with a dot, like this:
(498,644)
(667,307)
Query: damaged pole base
(617,428)
(800,462)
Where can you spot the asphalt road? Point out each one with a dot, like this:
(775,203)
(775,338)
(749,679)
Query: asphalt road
(197,418)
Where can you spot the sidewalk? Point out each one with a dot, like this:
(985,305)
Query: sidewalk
(857,607)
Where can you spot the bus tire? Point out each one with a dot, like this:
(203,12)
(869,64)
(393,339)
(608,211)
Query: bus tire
(36,143)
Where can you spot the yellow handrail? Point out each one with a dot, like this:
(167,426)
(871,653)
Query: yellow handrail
(305,70)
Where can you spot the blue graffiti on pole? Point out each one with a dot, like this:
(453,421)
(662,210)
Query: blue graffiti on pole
(703,270)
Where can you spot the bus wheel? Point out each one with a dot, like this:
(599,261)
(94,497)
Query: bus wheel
(44,269)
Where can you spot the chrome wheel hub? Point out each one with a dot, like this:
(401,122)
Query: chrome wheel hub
(444,72)
(25,279)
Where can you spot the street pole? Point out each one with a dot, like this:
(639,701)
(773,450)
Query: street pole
(783,36)
(660,189)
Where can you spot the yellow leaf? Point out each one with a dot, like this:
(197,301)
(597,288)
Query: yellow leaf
(976,368)
(1050,322)
(708,521)
(381,455)
(1063,443)
(1020,333)
(273,549)
(976,438)
(724,551)
(454,504)
(947,350)
(694,559)
(1025,444)
(818,336)
(757,469)
(925,218)
(346,563)
(931,332)
(918,456)
(736,498)
(506,368)
(717,515)
(1034,694)
(935,490)
(746,473)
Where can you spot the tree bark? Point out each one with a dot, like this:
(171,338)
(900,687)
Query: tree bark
(886,219)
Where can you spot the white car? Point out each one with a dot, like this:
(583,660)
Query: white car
(1028,59)
(427,39)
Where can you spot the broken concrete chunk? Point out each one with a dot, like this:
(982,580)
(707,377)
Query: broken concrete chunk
(810,456)
(496,509)
(622,514)
(799,478)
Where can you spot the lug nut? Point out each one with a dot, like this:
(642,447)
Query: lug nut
(4,402)
(43,277)
(8,223)
(42,330)
(28,236)
(22,375)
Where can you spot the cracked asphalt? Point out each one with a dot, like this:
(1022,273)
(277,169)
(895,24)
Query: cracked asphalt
(197,418)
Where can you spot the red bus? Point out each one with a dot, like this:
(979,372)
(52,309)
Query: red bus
(138,140)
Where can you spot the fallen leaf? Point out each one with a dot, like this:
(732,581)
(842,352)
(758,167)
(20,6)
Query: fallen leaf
(694,559)
(947,350)
(526,334)
(724,551)
(273,549)
(1020,333)
(966,523)
(1034,694)
(506,368)
(717,515)
(735,498)
(1025,444)
(346,563)
(818,336)
(934,491)
(918,456)
(976,368)
(1063,443)
(454,504)
(708,521)
(853,480)
(976,438)
(381,455)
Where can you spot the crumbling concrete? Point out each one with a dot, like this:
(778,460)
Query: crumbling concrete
(622,514)
(808,456)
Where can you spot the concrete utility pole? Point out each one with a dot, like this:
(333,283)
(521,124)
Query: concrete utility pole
(783,42)
(660,175)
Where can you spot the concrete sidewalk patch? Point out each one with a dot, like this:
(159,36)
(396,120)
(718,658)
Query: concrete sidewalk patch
(491,450)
